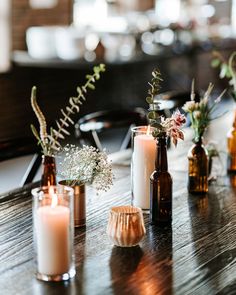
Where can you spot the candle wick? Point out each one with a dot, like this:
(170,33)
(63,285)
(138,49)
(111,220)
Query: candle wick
(54,201)
(54,197)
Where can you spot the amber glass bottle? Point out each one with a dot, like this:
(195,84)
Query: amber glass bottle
(49,171)
(161,187)
(231,143)
(198,168)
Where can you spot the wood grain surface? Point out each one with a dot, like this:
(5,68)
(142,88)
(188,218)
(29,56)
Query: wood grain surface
(197,255)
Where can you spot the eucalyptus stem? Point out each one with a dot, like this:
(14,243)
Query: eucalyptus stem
(50,142)
(231,69)
(80,95)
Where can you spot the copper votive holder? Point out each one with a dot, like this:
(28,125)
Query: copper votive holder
(126,226)
(79,203)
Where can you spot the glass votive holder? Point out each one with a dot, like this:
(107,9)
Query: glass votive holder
(142,165)
(54,232)
(126,226)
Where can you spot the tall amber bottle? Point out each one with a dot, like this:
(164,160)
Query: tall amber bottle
(49,171)
(161,187)
(198,168)
(231,143)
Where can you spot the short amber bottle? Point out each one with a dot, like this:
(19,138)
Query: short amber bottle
(198,168)
(161,187)
(231,144)
(49,171)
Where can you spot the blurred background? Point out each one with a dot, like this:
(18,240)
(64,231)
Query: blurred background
(53,43)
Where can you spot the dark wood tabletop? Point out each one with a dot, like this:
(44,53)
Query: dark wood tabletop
(197,255)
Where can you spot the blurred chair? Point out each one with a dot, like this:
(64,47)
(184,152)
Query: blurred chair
(22,147)
(172,100)
(91,128)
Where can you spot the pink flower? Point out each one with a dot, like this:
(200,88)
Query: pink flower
(175,134)
(172,126)
(178,118)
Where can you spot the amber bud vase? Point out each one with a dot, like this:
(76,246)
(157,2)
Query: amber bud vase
(49,171)
(198,168)
(161,187)
(231,144)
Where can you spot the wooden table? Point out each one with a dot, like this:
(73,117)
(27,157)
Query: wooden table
(196,256)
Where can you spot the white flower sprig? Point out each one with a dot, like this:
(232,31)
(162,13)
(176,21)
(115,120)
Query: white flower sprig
(86,165)
(200,112)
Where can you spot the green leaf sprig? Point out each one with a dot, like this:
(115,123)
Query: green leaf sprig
(50,141)
(154,106)
(227,69)
(162,127)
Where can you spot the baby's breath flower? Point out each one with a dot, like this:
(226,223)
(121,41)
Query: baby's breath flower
(86,165)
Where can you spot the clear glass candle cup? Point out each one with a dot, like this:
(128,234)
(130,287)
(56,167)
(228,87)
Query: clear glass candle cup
(126,226)
(142,165)
(53,221)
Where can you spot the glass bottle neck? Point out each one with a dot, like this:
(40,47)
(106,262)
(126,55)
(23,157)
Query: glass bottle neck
(48,160)
(161,163)
(234,123)
(49,171)
(198,141)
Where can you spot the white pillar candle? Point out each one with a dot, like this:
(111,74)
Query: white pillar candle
(143,164)
(53,239)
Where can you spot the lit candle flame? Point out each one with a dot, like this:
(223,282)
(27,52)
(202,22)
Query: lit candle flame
(148,130)
(53,196)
